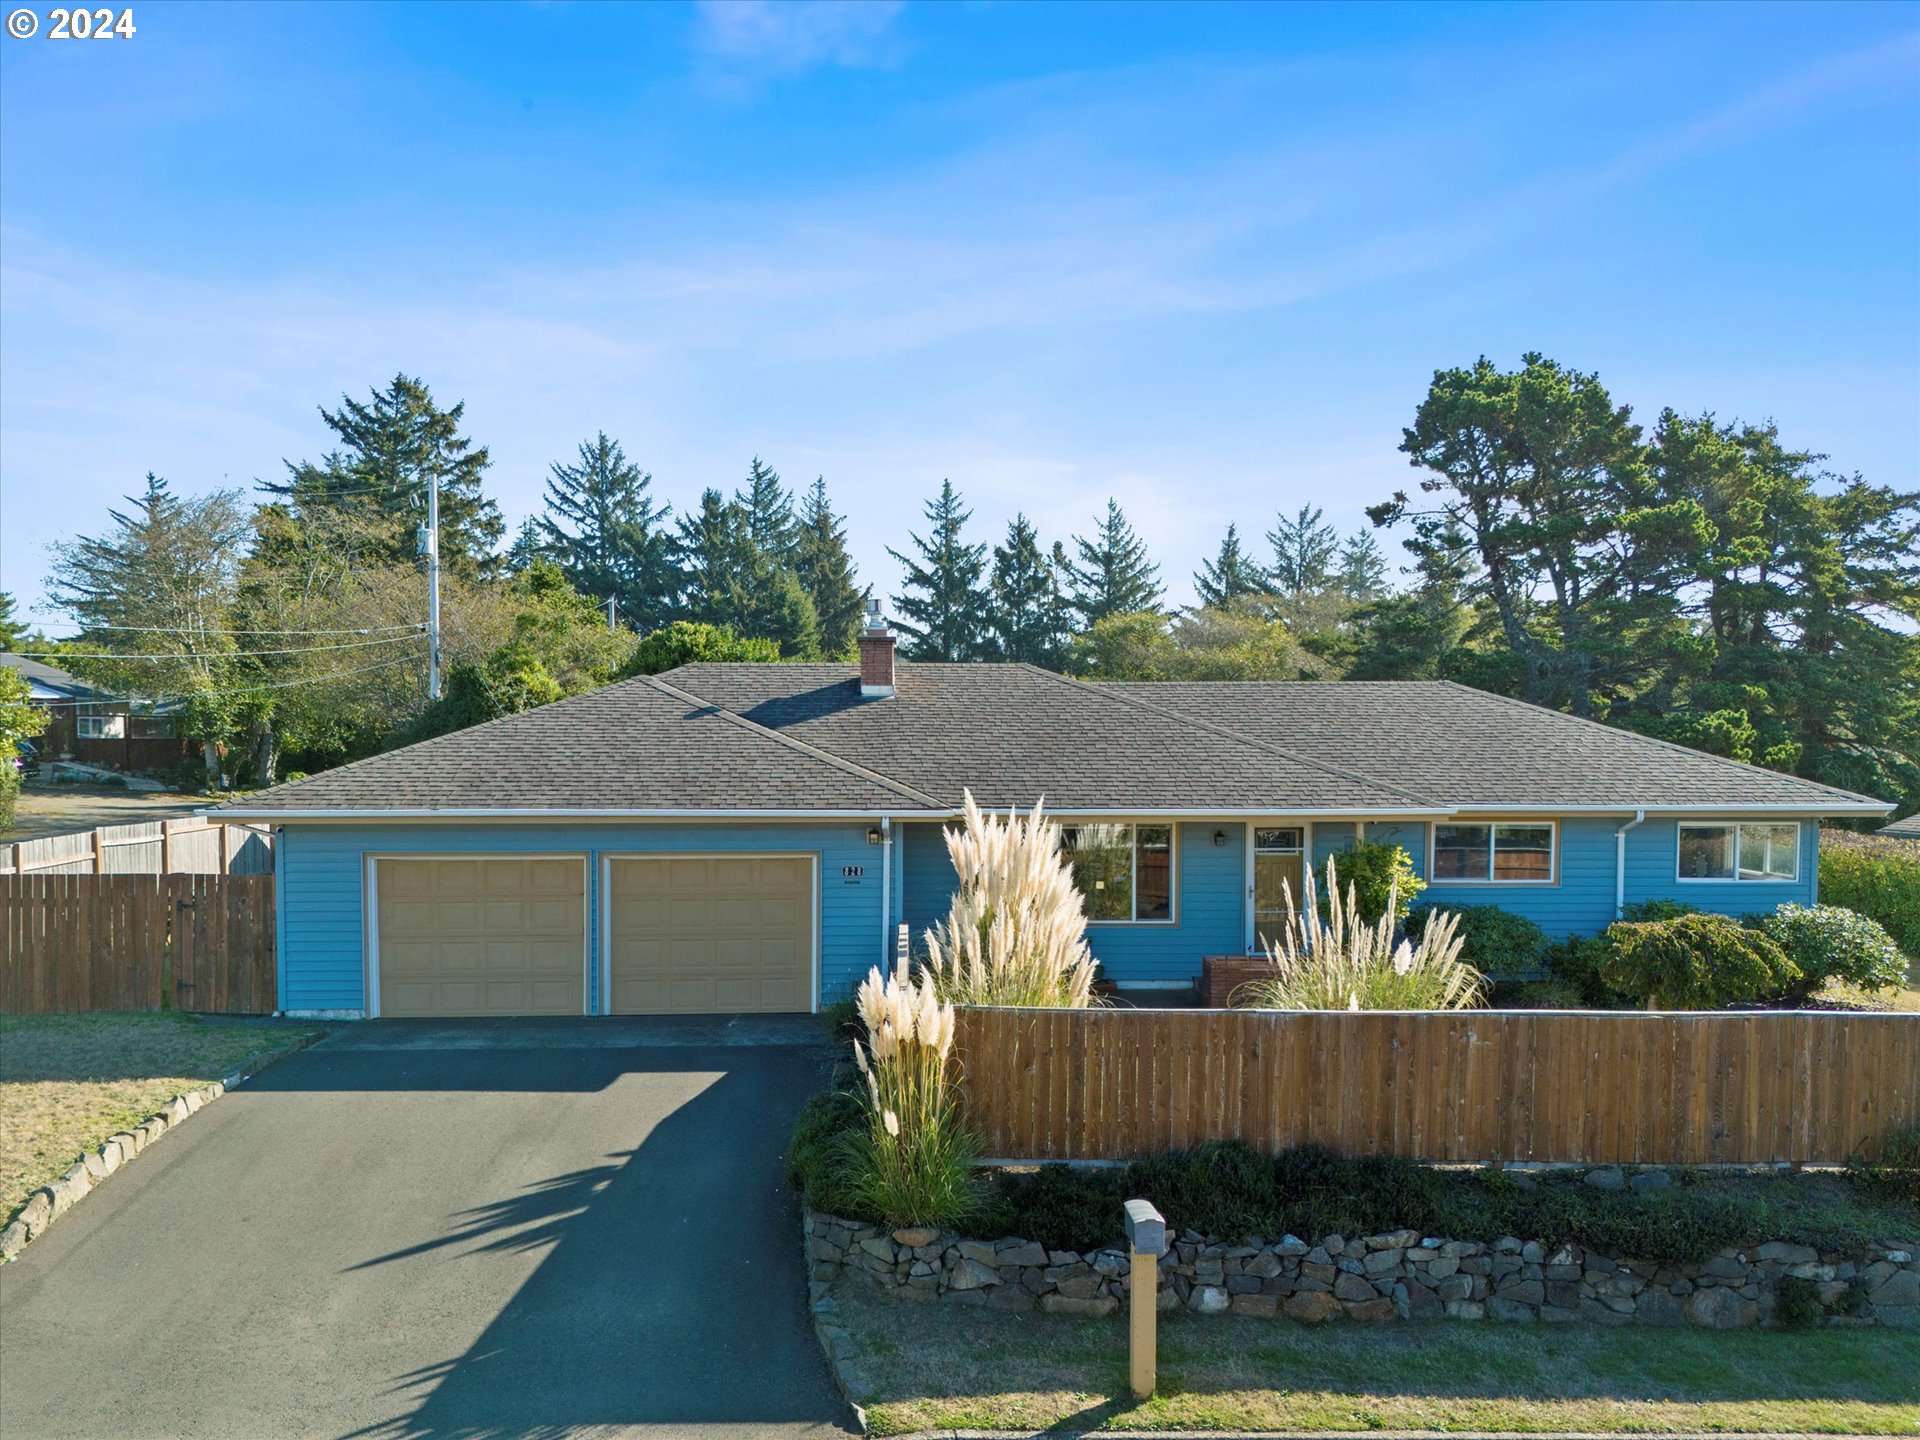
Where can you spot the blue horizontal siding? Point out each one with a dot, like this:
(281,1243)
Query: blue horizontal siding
(322,899)
(1209,905)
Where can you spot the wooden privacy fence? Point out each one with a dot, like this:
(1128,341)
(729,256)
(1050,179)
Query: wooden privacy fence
(1466,1086)
(119,942)
(190,845)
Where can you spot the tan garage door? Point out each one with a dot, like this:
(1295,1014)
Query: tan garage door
(482,935)
(710,934)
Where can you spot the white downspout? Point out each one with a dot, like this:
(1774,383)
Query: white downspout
(1620,863)
(886,894)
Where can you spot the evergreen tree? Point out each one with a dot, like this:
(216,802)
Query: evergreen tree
(731,582)
(824,568)
(392,446)
(1362,572)
(768,509)
(12,632)
(715,550)
(1113,576)
(610,538)
(529,545)
(1229,575)
(171,568)
(1029,619)
(1304,549)
(943,604)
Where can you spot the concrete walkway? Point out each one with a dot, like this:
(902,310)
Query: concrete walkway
(412,1230)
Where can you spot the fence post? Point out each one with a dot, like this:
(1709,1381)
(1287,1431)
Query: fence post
(99,852)
(1146,1242)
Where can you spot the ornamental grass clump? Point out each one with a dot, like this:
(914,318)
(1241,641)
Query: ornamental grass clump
(1016,932)
(913,1164)
(1339,962)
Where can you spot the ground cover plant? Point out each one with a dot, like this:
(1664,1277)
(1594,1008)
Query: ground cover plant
(934,1367)
(1226,1189)
(67,1082)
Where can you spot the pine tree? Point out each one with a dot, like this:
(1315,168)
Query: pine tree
(1029,619)
(1229,575)
(610,538)
(1113,576)
(769,512)
(529,545)
(12,632)
(1303,552)
(943,606)
(715,550)
(394,445)
(1362,575)
(824,568)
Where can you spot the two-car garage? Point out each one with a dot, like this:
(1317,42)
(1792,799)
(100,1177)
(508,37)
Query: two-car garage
(509,934)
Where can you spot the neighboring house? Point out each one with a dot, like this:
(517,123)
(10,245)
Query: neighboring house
(87,725)
(747,837)
(1907,829)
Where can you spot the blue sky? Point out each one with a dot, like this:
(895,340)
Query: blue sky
(1204,259)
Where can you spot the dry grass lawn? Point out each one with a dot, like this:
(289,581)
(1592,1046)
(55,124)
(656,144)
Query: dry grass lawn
(937,1367)
(67,1082)
(57,809)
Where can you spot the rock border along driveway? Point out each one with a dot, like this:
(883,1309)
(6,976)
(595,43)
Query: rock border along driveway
(51,1201)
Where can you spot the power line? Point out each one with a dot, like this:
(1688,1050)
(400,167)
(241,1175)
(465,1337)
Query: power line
(183,630)
(244,689)
(210,654)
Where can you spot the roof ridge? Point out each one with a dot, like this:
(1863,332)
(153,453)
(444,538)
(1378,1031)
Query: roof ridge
(824,756)
(1741,766)
(1134,700)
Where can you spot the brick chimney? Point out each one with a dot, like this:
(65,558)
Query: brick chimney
(876,653)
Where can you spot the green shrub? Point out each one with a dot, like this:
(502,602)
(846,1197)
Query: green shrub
(1895,1174)
(1694,962)
(1378,872)
(1640,910)
(1220,1188)
(1878,878)
(1796,1303)
(1063,1207)
(818,1156)
(1833,942)
(1576,963)
(1493,941)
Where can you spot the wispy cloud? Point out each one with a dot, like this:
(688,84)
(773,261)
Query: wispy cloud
(785,37)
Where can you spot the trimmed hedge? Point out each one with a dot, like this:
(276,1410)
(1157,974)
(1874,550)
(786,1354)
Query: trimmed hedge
(1878,877)
(1829,941)
(1492,940)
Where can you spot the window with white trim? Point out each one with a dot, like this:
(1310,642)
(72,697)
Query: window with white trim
(1493,853)
(1124,872)
(1740,850)
(102,727)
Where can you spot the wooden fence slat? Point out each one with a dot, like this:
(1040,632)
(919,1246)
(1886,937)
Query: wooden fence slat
(1470,1088)
(103,942)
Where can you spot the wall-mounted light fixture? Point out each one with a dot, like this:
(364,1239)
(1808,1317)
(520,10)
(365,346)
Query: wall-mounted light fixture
(873,835)
(1219,837)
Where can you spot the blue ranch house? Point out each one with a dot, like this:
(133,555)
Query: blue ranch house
(732,838)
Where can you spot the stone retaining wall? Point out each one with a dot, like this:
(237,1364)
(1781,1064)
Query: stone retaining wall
(1401,1275)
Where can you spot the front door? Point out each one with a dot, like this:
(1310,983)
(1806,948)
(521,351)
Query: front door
(1279,867)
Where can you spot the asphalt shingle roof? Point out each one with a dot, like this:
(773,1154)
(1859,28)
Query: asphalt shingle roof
(801,738)
(638,745)
(1467,747)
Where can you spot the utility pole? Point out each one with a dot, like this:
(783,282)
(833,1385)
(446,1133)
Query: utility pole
(613,610)
(430,542)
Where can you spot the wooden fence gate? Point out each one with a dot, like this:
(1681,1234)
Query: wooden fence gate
(137,942)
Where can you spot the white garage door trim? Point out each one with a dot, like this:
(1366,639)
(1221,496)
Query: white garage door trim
(370,912)
(607,857)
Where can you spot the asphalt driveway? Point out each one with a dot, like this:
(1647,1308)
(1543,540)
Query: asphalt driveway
(414,1230)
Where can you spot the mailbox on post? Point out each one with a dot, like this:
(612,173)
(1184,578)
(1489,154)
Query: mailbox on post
(1146,1243)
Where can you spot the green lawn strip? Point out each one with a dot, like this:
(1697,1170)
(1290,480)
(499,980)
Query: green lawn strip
(67,1082)
(939,1367)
